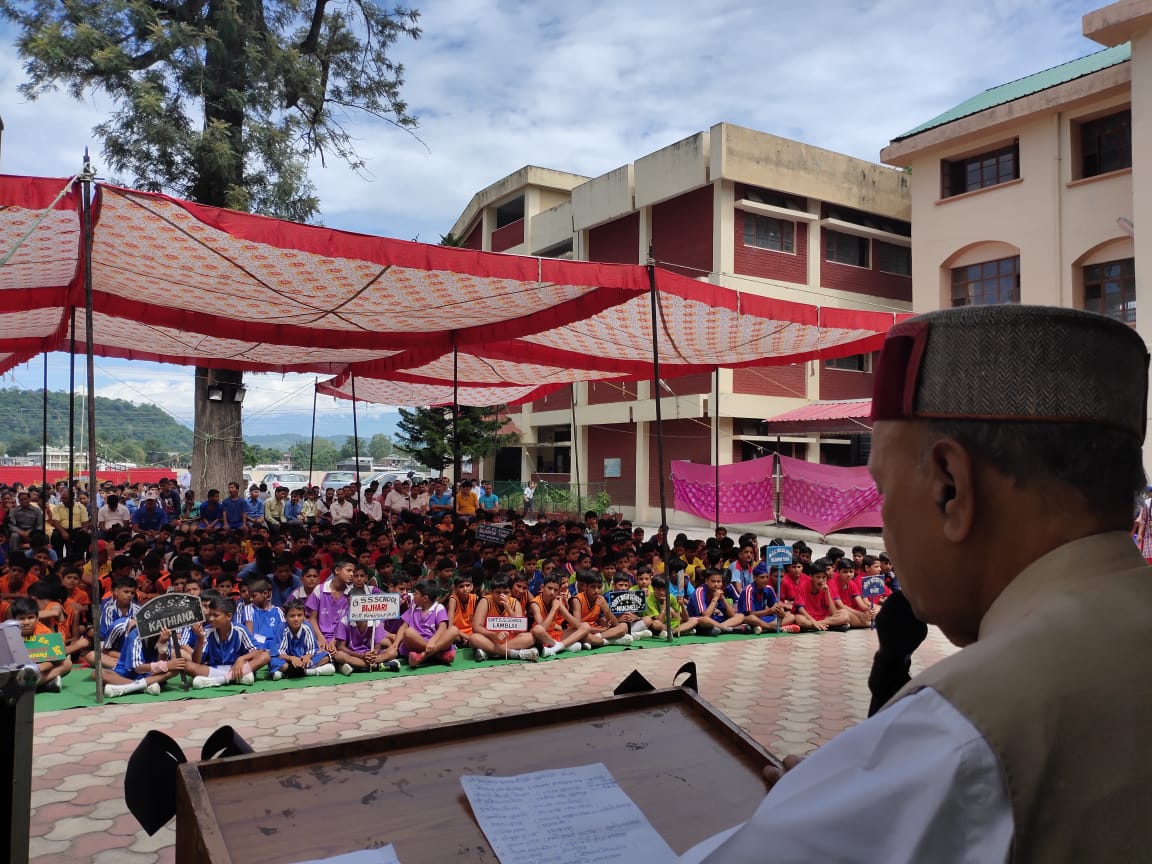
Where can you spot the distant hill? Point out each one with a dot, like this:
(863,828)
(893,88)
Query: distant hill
(117,421)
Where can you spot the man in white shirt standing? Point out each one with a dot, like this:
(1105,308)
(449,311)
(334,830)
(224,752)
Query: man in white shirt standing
(1030,744)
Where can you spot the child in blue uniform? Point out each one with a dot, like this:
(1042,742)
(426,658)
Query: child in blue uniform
(225,654)
(264,622)
(144,665)
(298,651)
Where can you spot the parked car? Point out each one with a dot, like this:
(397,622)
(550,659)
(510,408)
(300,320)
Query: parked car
(291,479)
(337,479)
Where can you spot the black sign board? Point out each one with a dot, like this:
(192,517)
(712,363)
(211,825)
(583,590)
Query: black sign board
(621,602)
(493,532)
(168,611)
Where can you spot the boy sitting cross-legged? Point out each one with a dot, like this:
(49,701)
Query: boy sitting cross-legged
(715,605)
(225,654)
(590,607)
(555,628)
(500,643)
(299,652)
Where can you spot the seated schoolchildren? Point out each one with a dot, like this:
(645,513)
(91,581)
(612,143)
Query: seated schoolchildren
(26,613)
(425,634)
(815,607)
(640,626)
(664,610)
(299,654)
(225,654)
(264,622)
(364,646)
(505,644)
(790,585)
(555,628)
(309,579)
(144,665)
(117,617)
(590,607)
(715,605)
(846,592)
(462,607)
(762,609)
(520,592)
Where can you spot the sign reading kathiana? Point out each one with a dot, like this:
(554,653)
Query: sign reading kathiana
(373,607)
(168,612)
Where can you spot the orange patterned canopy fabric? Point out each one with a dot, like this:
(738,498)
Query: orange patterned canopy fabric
(182,283)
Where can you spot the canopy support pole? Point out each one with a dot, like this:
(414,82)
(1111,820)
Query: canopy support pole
(44,440)
(86,178)
(576,456)
(457,463)
(72,410)
(356,451)
(312,442)
(662,539)
(716,441)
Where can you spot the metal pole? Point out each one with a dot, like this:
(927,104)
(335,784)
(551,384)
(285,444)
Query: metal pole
(72,411)
(456,455)
(716,441)
(576,458)
(659,436)
(312,443)
(44,444)
(86,178)
(777,477)
(356,452)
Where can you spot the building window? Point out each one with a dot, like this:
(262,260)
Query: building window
(981,171)
(987,283)
(854,363)
(845,249)
(891,258)
(1110,289)
(1106,144)
(765,232)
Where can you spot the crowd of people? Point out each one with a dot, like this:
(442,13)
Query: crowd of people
(274,571)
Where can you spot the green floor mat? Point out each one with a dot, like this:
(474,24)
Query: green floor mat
(79,690)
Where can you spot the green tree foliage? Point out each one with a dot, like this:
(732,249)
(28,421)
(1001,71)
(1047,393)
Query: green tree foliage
(381,446)
(124,430)
(323,457)
(348,448)
(426,433)
(221,101)
(254,454)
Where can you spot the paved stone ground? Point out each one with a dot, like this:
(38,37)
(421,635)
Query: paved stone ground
(790,693)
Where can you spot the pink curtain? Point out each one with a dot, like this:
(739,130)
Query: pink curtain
(827,498)
(745,490)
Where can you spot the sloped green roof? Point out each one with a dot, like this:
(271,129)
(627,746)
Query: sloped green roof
(1027,86)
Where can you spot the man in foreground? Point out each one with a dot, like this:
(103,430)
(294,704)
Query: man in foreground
(1007,445)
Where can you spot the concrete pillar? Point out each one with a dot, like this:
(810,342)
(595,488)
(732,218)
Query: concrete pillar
(1142,194)
(643,468)
(723,228)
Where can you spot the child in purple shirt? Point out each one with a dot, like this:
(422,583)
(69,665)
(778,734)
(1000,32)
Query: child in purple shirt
(365,646)
(327,605)
(426,634)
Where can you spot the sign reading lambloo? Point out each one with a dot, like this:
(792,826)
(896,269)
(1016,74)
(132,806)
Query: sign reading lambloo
(506,625)
(168,612)
(373,607)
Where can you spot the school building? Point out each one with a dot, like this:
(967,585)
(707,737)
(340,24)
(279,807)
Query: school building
(1034,191)
(748,210)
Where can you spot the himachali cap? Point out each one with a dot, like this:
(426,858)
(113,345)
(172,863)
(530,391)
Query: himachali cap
(1014,363)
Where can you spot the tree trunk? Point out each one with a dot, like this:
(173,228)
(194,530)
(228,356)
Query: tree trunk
(217,447)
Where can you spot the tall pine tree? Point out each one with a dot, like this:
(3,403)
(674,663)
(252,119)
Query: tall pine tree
(426,433)
(223,102)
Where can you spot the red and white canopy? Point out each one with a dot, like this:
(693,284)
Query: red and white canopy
(183,283)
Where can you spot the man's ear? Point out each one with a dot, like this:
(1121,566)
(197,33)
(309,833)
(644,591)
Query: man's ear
(951,476)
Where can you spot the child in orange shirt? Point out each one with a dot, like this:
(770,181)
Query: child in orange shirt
(554,627)
(500,643)
(26,612)
(590,607)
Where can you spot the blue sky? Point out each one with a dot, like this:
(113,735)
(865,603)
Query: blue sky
(586,88)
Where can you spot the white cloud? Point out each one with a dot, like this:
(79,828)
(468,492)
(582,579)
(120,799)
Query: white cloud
(588,87)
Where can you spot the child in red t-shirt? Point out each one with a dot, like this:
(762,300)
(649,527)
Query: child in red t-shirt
(848,594)
(816,607)
(790,584)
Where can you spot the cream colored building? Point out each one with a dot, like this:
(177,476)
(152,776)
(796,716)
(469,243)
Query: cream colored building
(733,206)
(1033,191)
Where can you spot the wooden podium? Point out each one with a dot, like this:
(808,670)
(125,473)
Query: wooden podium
(690,770)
